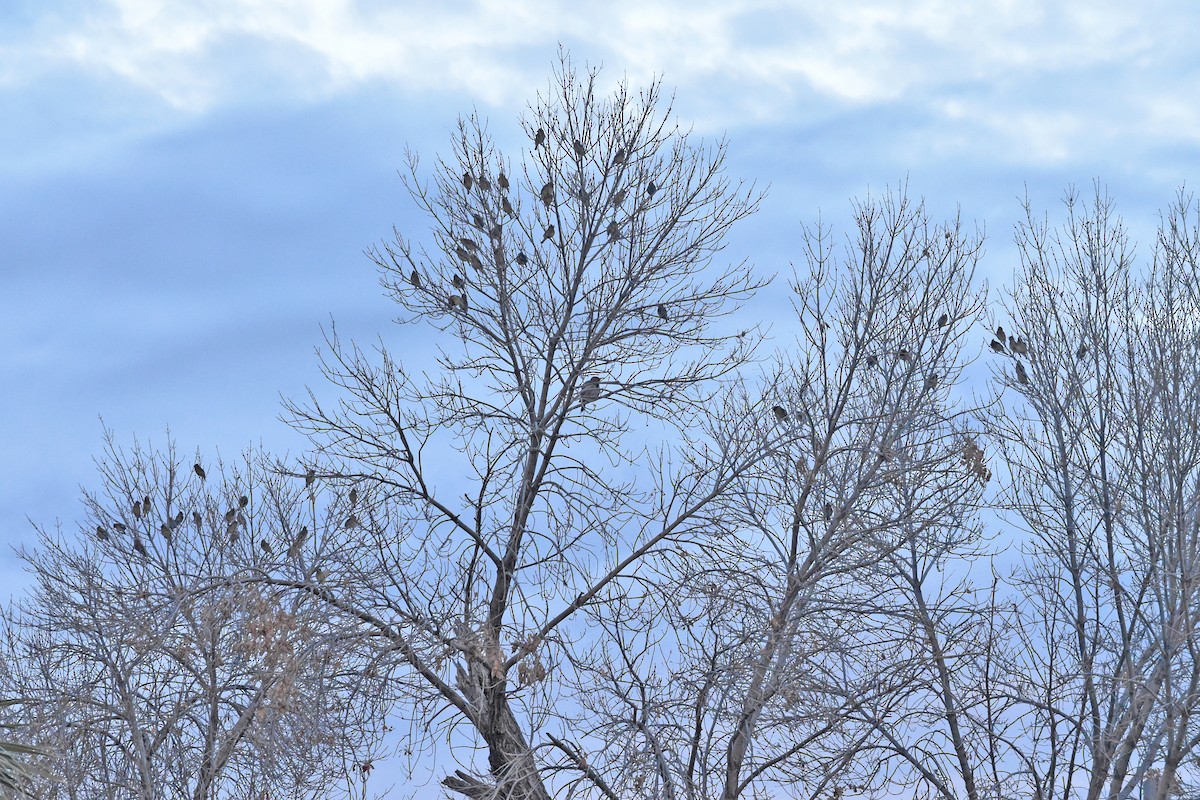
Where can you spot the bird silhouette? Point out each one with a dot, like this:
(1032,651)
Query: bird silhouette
(780,413)
(539,138)
(1000,335)
(903,354)
(351,522)
(502,182)
(477,220)
(139,547)
(580,150)
(521,259)
(175,523)
(137,509)
(467,182)
(590,391)
(243,501)
(619,158)
(353,496)
(943,320)
(506,207)
(165,530)
(1082,351)
(827,511)
(484,183)
(547,193)
(265,545)
(119,527)
(872,361)
(458,281)
(415,279)
(298,542)
(232,531)
(101,534)
(549,233)
(1018,346)
(309,477)
(146,505)
(618,197)
(458,302)
(931,382)
(996,346)
(614,230)
(230,515)
(651,189)
(199,470)
(496,231)
(662,311)
(197,520)
(1022,375)
(470,244)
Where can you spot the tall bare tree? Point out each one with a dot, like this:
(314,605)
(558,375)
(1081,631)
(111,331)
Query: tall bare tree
(570,294)
(1103,438)
(161,666)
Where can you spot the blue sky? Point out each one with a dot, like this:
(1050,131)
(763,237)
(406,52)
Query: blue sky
(186,188)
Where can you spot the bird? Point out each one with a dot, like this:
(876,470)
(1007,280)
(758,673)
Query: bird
(522,259)
(467,182)
(1022,375)
(165,530)
(175,523)
(470,244)
(484,183)
(903,354)
(137,509)
(243,501)
(199,470)
(547,193)
(415,279)
(309,477)
(1000,334)
(502,182)
(353,496)
(827,511)
(477,221)
(619,158)
(458,302)
(580,150)
(662,311)
(351,522)
(496,231)
(101,534)
(872,361)
(1082,351)
(507,207)
(458,281)
(1018,346)
(138,546)
(996,346)
(549,233)
(614,230)
(119,527)
(590,391)
(265,545)
(780,413)
(230,515)
(232,531)
(943,320)
(475,262)
(539,138)
(298,542)
(618,197)
(931,382)
(651,189)
(197,520)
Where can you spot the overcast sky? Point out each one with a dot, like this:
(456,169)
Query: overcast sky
(187,186)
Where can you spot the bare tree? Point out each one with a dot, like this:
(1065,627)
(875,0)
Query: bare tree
(570,295)
(1102,365)
(162,668)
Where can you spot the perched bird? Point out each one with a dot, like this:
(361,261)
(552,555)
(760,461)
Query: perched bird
(651,189)
(931,382)
(997,347)
(580,150)
(614,230)
(243,501)
(351,522)
(943,320)
(521,259)
(1082,351)
(547,193)
(872,361)
(199,470)
(1022,375)
(462,253)
(477,220)
(458,281)
(618,197)
(507,207)
(146,505)
(101,534)
(470,244)
(415,279)
(467,182)
(458,302)
(780,413)
(265,545)
(619,158)
(165,530)
(230,515)
(298,542)
(475,262)
(539,138)
(496,231)
(590,391)
(197,520)
(502,182)
(175,523)
(1018,346)
(138,546)
(1000,334)
(137,509)
(903,354)
(353,496)
(549,233)
(232,531)
(309,477)
(484,183)
(827,511)
(662,311)
(119,527)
